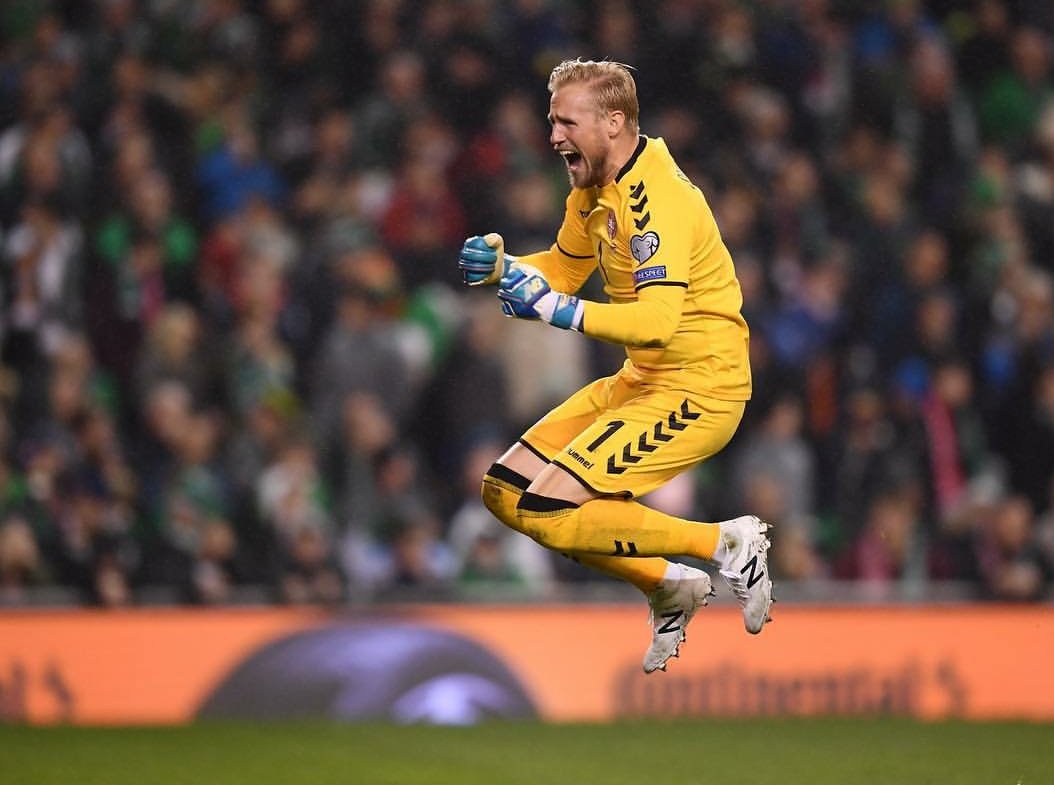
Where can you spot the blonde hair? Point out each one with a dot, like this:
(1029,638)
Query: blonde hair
(612,83)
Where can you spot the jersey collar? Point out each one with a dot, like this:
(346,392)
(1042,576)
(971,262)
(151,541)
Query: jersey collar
(641,144)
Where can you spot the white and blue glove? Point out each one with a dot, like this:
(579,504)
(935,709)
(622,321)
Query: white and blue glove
(483,259)
(525,294)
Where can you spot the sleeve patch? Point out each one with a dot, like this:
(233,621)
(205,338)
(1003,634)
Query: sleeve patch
(649,274)
(644,246)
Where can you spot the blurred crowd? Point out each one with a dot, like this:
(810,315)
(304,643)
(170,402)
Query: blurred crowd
(237,357)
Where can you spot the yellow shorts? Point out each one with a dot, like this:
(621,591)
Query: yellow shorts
(623,437)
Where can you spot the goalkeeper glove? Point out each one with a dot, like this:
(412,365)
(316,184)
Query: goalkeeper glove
(525,294)
(483,259)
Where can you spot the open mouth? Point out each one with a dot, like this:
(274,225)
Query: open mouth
(571,158)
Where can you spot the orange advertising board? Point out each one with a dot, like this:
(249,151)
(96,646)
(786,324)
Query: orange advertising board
(559,663)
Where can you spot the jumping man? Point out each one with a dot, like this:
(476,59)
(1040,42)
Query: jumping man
(571,479)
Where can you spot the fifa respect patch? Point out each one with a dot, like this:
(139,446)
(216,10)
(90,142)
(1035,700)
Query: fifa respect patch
(649,274)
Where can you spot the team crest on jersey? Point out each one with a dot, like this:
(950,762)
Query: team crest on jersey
(644,246)
(612,226)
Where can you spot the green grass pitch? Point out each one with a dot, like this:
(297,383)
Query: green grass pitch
(732,752)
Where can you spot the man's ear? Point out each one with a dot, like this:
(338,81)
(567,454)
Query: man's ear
(616,122)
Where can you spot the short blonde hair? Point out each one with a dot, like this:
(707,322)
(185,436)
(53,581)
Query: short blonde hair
(612,83)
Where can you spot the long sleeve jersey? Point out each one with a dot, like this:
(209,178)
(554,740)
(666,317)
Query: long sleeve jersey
(674,298)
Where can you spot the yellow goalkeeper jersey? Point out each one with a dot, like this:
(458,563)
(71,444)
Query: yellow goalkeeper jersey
(674,298)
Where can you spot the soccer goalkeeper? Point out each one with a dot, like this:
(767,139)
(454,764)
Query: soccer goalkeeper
(571,479)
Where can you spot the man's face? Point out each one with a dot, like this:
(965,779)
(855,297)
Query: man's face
(580,133)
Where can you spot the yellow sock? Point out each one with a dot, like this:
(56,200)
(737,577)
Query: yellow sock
(646,574)
(614,527)
(502,489)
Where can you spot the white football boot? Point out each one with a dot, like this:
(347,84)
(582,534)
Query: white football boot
(683,591)
(743,558)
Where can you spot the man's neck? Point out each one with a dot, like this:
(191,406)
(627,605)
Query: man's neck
(622,151)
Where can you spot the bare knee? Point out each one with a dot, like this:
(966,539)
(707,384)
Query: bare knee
(557,483)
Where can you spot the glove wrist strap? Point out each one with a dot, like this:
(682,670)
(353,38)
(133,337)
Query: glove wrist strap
(560,310)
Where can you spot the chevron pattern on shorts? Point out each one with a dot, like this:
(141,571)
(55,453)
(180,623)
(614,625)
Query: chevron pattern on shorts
(649,441)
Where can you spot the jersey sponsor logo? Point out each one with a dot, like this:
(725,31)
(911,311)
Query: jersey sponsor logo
(612,226)
(649,274)
(644,246)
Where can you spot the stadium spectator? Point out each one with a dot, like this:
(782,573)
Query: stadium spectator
(363,350)
(776,452)
(176,349)
(1013,97)
(424,215)
(43,277)
(21,563)
(934,125)
(891,547)
(1011,563)
(399,97)
(310,572)
(235,172)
